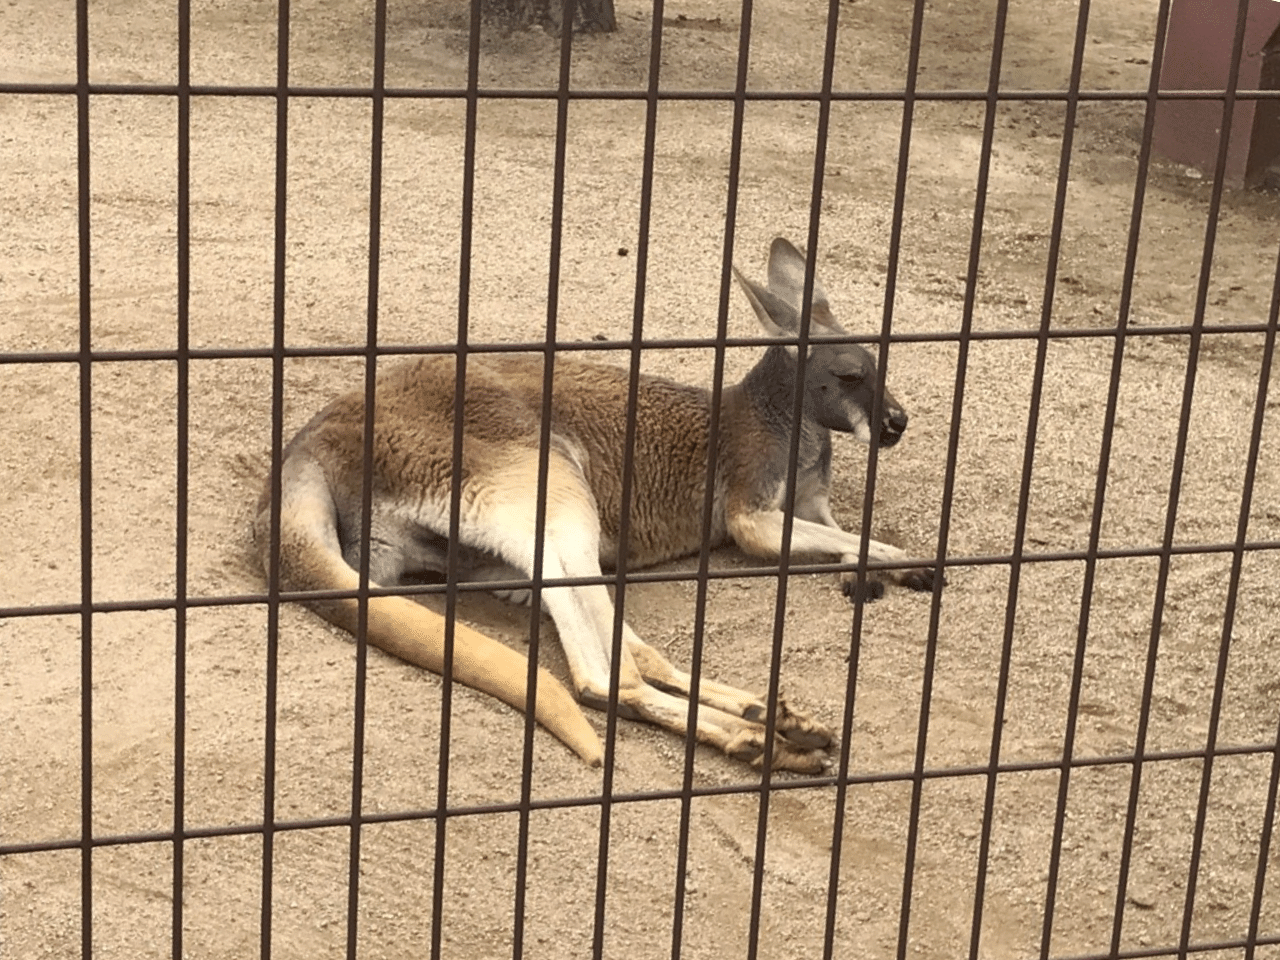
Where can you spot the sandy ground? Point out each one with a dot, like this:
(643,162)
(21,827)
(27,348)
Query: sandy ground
(134,491)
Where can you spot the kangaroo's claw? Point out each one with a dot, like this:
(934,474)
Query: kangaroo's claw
(922,578)
(871,589)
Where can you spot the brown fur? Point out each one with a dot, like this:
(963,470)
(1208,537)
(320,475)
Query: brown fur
(412,474)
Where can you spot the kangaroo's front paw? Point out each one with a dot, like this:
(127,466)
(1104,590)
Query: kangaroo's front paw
(922,578)
(870,589)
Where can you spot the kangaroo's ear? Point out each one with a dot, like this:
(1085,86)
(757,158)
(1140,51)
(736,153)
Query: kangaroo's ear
(786,280)
(776,315)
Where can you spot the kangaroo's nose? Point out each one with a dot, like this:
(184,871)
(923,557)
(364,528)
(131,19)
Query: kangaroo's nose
(894,423)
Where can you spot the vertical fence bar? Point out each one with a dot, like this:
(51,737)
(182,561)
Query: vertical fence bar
(890,291)
(971,281)
(789,495)
(1255,440)
(1202,297)
(455,484)
(182,478)
(377,110)
(1028,466)
(279,253)
(1015,566)
(712,468)
(628,473)
(551,333)
(1104,466)
(85,203)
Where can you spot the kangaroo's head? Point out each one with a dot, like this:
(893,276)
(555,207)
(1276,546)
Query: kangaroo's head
(840,379)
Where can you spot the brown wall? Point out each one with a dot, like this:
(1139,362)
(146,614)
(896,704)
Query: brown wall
(1198,57)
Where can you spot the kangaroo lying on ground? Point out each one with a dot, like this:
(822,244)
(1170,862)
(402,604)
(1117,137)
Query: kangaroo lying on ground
(320,511)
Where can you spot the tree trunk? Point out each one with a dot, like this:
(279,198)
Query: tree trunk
(589,16)
(596,16)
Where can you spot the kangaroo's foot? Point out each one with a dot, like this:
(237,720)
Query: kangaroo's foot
(868,591)
(728,718)
(921,578)
(917,578)
(800,744)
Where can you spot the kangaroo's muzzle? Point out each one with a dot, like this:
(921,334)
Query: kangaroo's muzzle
(893,426)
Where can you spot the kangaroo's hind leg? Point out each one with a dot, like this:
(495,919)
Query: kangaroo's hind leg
(727,718)
(794,726)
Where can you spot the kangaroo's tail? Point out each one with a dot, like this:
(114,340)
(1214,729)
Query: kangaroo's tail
(311,559)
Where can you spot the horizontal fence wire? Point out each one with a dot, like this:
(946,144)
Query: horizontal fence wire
(613,346)
(594,800)
(187,357)
(502,93)
(647,576)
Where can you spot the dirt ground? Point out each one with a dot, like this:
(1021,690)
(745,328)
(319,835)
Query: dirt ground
(134,416)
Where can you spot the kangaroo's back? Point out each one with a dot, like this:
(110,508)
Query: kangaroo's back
(414,429)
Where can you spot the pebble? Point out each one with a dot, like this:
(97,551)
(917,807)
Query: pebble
(1141,897)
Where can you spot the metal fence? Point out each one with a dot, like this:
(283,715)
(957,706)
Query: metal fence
(1240,566)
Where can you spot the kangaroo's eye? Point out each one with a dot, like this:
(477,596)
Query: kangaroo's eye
(850,377)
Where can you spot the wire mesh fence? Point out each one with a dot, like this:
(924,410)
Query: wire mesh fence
(220,217)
